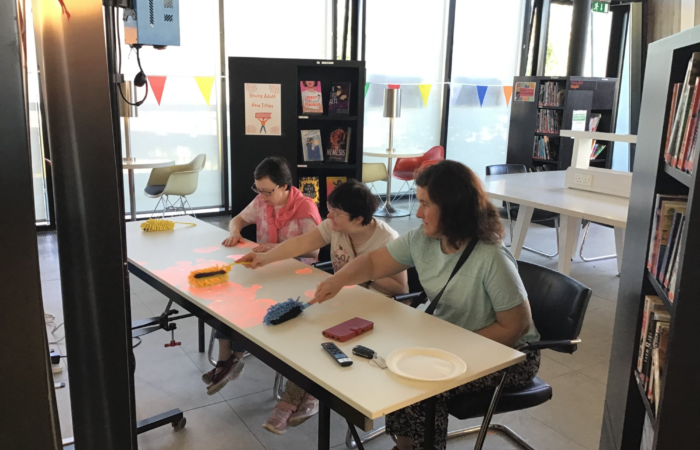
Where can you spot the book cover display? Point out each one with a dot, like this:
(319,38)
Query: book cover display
(338,144)
(334,182)
(339,102)
(263,109)
(309,188)
(311,97)
(311,144)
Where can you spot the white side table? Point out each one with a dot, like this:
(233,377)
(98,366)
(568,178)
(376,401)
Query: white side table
(141,163)
(387,209)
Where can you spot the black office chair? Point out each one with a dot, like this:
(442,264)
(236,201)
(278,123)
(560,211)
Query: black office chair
(510,210)
(558,305)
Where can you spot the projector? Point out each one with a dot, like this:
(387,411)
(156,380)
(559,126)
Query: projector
(152,22)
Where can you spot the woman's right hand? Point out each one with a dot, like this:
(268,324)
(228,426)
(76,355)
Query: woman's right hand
(233,239)
(326,290)
(255,259)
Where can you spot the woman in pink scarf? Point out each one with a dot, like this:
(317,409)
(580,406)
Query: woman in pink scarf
(280,211)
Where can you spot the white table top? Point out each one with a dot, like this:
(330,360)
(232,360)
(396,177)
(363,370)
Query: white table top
(397,153)
(147,163)
(545,190)
(241,303)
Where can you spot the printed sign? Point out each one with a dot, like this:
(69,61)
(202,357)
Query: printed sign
(263,112)
(578,120)
(525,91)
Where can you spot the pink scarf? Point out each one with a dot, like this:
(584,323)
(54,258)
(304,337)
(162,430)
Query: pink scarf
(297,207)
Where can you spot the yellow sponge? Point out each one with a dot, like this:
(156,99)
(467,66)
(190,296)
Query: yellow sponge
(161,225)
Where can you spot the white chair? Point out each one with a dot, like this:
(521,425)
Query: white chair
(372,172)
(180,181)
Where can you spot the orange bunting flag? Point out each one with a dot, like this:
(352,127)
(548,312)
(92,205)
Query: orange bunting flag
(508,92)
(425,92)
(205,84)
(157,85)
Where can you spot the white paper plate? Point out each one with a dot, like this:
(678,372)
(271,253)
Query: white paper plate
(425,364)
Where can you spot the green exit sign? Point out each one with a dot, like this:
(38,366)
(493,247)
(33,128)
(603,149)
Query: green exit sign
(601,7)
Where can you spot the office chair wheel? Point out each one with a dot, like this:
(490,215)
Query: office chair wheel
(180,424)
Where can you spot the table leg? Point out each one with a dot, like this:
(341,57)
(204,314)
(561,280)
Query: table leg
(132,194)
(569,231)
(324,427)
(388,210)
(521,226)
(200,330)
(429,437)
(619,245)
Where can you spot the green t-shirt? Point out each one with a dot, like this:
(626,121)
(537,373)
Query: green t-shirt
(487,282)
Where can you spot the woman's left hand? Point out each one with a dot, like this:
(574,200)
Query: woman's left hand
(263,248)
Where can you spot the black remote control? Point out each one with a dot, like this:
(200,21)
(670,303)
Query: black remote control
(336,353)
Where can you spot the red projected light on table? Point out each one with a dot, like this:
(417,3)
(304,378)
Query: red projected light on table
(303,271)
(206,249)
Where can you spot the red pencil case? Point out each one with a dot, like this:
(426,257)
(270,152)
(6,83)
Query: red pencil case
(348,329)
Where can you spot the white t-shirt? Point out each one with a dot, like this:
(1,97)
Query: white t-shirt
(341,248)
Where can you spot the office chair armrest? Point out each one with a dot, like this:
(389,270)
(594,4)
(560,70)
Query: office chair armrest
(326,266)
(542,345)
(409,296)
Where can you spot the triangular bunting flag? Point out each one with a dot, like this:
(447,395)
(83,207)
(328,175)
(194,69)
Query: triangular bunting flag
(366,88)
(481,90)
(508,92)
(205,84)
(455,89)
(394,86)
(425,93)
(157,85)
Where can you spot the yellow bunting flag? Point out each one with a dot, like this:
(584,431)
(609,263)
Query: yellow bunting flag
(425,92)
(205,84)
(508,92)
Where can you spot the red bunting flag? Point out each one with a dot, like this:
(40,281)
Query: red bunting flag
(157,85)
(394,86)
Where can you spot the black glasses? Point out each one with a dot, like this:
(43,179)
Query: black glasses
(263,192)
(337,212)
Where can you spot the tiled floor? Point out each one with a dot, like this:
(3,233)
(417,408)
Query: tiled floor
(231,419)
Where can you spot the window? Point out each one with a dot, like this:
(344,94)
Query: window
(405,46)
(478,134)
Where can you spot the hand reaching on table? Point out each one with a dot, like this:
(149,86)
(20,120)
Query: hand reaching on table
(326,290)
(263,248)
(233,239)
(255,259)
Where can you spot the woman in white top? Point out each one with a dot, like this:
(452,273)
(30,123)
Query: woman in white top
(351,231)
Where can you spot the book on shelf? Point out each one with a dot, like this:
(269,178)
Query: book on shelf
(594,121)
(677,88)
(651,303)
(545,168)
(647,435)
(660,225)
(653,320)
(309,187)
(339,101)
(551,94)
(338,144)
(671,267)
(597,149)
(311,145)
(691,125)
(666,213)
(311,97)
(334,182)
(673,233)
(658,358)
(683,114)
(548,121)
(543,149)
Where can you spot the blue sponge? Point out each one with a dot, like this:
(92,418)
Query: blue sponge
(282,312)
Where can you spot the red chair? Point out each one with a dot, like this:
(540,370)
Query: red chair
(407,169)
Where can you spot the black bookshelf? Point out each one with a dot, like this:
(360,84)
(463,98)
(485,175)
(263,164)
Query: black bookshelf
(247,151)
(594,95)
(626,404)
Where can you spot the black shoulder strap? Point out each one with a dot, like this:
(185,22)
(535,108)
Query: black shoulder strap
(465,254)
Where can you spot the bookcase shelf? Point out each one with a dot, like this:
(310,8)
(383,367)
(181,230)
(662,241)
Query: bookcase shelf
(647,405)
(593,95)
(248,150)
(662,292)
(626,406)
(679,175)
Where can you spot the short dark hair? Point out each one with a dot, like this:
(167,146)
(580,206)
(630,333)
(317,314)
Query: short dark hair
(355,199)
(276,169)
(465,211)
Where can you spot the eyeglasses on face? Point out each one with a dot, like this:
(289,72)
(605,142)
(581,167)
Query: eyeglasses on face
(337,212)
(262,191)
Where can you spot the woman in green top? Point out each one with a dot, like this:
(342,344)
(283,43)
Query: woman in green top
(485,296)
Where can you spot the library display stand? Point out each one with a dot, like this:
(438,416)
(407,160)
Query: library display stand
(247,150)
(540,118)
(667,419)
